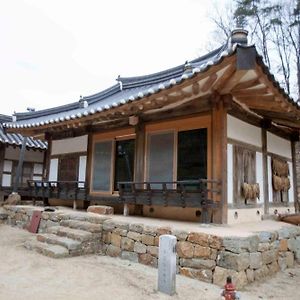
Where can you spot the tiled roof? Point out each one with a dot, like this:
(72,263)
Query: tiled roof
(17,139)
(130,89)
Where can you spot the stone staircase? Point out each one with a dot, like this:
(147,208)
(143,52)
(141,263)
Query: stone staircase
(70,238)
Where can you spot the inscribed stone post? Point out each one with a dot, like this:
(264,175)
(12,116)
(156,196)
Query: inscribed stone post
(167,264)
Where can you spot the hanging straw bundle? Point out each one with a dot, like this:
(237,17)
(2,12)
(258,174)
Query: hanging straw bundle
(280,167)
(251,191)
(286,183)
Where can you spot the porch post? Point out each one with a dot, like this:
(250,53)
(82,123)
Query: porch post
(2,158)
(89,166)
(20,165)
(296,172)
(265,125)
(219,152)
(139,167)
(48,138)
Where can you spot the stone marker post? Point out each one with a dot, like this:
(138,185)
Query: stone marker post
(167,264)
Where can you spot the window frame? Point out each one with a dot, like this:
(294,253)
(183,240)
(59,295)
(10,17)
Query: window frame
(175,126)
(112,136)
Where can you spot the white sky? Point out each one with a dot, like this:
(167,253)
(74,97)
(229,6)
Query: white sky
(53,51)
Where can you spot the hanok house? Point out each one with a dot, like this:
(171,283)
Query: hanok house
(10,150)
(212,140)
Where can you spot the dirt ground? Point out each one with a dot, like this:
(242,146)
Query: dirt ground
(28,275)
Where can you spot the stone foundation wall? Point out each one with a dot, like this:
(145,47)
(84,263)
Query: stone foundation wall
(202,256)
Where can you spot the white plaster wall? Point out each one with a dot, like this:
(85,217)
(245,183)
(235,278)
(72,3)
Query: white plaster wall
(37,177)
(278,145)
(53,171)
(82,169)
(30,155)
(229,173)
(244,215)
(270,179)
(259,176)
(70,145)
(6,180)
(242,131)
(291,190)
(7,166)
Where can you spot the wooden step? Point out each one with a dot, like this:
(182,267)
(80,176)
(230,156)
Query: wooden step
(54,251)
(82,225)
(54,239)
(75,234)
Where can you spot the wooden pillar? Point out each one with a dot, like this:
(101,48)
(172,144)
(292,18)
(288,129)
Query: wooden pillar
(88,170)
(296,172)
(47,156)
(2,158)
(139,165)
(20,165)
(265,125)
(219,153)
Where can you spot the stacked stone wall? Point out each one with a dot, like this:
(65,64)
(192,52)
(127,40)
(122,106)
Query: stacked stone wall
(201,256)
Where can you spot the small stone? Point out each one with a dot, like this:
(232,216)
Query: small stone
(150,230)
(153,250)
(202,275)
(266,237)
(185,249)
(127,244)
(113,251)
(255,260)
(130,256)
(269,256)
(213,254)
(282,263)
(148,259)
(263,247)
(197,263)
(283,245)
(261,273)
(198,238)
(273,268)
(163,230)
(101,209)
(148,239)
(215,242)
(200,251)
(237,262)
(250,275)
(134,235)
(289,259)
(107,237)
(108,225)
(140,248)
(283,233)
(115,240)
(121,232)
(156,241)
(180,234)
(136,227)
(239,244)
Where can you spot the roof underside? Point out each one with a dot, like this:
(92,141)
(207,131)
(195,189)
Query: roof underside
(223,71)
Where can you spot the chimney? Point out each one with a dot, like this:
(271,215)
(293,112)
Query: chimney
(239,36)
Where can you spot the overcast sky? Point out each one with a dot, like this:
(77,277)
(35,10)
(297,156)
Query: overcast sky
(53,51)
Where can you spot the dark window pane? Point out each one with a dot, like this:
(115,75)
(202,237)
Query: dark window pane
(192,154)
(124,161)
(102,166)
(160,157)
(68,168)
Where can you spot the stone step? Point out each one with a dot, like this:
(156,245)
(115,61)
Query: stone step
(54,251)
(82,225)
(54,239)
(75,234)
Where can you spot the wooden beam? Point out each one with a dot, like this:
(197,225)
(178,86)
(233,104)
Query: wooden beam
(233,81)
(253,91)
(196,88)
(209,82)
(226,75)
(246,84)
